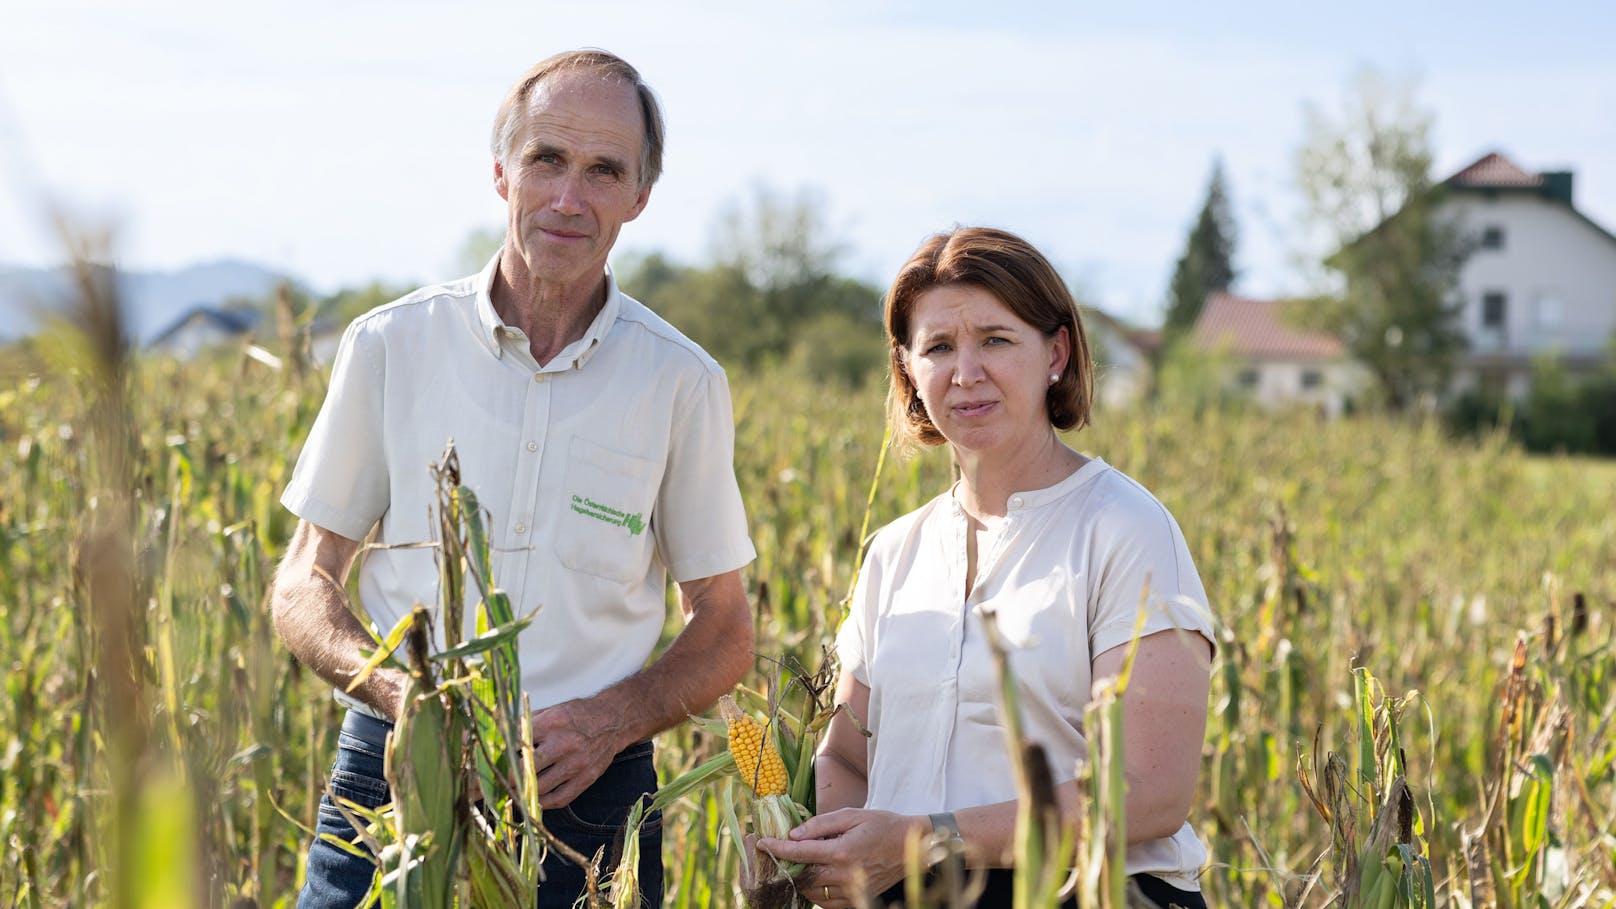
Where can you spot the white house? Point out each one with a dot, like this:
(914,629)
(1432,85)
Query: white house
(1541,280)
(1122,368)
(203,328)
(1274,361)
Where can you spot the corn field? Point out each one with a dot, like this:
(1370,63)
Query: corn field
(1412,703)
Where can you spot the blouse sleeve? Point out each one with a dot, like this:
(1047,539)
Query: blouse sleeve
(1144,563)
(853,639)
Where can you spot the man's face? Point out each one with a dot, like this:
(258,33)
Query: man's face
(573,175)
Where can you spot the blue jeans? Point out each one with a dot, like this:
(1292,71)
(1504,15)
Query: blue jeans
(594,821)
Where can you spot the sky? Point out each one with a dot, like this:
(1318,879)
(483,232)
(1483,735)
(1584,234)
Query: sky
(347,142)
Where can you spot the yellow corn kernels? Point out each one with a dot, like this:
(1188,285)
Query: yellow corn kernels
(756,759)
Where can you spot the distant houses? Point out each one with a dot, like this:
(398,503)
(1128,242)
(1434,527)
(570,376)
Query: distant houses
(202,328)
(1540,282)
(1272,359)
(1122,366)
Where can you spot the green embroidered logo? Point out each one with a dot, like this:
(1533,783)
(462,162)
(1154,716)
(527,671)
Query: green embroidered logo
(589,508)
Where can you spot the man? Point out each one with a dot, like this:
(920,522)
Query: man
(598,439)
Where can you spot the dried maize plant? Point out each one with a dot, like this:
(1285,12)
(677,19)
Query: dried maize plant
(135,775)
(767,768)
(1535,792)
(1367,787)
(1044,840)
(462,739)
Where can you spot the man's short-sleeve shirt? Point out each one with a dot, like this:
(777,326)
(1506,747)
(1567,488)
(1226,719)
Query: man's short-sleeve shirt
(598,472)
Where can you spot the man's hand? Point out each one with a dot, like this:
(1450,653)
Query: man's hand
(574,742)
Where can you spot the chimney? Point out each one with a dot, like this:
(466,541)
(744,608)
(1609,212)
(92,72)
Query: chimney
(1557,185)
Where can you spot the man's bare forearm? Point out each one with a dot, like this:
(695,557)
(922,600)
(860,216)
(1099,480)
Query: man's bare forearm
(311,614)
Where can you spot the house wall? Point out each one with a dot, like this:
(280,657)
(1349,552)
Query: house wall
(1512,380)
(1121,370)
(1117,386)
(192,338)
(1557,272)
(1284,383)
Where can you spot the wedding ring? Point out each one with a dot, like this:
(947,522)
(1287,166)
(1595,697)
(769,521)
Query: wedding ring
(827,891)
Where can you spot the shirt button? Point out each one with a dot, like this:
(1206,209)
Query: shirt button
(521,528)
(1015,502)
(532,446)
(538,377)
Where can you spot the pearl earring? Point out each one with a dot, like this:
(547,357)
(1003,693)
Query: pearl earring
(1053,378)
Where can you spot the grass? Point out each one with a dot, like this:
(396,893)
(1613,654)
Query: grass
(1395,605)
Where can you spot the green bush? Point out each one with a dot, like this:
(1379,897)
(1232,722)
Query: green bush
(1561,414)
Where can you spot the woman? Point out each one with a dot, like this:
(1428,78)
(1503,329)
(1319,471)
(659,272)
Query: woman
(988,355)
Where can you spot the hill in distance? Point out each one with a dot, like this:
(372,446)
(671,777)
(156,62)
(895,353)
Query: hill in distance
(152,299)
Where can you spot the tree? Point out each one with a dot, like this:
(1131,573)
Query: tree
(1207,264)
(1366,182)
(478,247)
(352,302)
(772,295)
(785,250)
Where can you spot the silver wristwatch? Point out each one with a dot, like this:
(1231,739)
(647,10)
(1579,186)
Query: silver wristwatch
(945,831)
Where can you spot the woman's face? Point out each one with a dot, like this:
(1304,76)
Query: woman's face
(980,370)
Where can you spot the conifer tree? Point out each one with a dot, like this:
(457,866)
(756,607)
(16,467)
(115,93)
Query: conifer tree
(1207,264)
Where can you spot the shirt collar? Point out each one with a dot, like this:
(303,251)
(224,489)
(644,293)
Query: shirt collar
(492,329)
(490,326)
(1035,498)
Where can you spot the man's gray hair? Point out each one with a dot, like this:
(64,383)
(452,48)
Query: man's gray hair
(586,60)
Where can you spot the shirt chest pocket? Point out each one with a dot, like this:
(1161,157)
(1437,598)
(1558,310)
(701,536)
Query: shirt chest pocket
(605,528)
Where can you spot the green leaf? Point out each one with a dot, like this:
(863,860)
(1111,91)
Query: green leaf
(714,767)
(484,642)
(380,656)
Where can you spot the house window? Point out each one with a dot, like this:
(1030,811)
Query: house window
(1493,305)
(1312,378)
(1492,237)
(1248,378)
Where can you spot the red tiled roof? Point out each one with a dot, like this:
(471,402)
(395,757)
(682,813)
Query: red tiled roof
(1493,169)
(1142,340)
(1146,339)
(1257,330)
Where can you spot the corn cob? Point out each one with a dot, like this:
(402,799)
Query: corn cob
(756,758)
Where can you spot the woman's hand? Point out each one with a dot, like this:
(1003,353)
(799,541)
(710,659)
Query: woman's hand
(853,851)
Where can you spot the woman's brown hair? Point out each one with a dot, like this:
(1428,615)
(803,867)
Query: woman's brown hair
(1019,276)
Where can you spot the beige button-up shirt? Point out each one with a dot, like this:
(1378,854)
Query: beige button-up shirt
(600,472)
